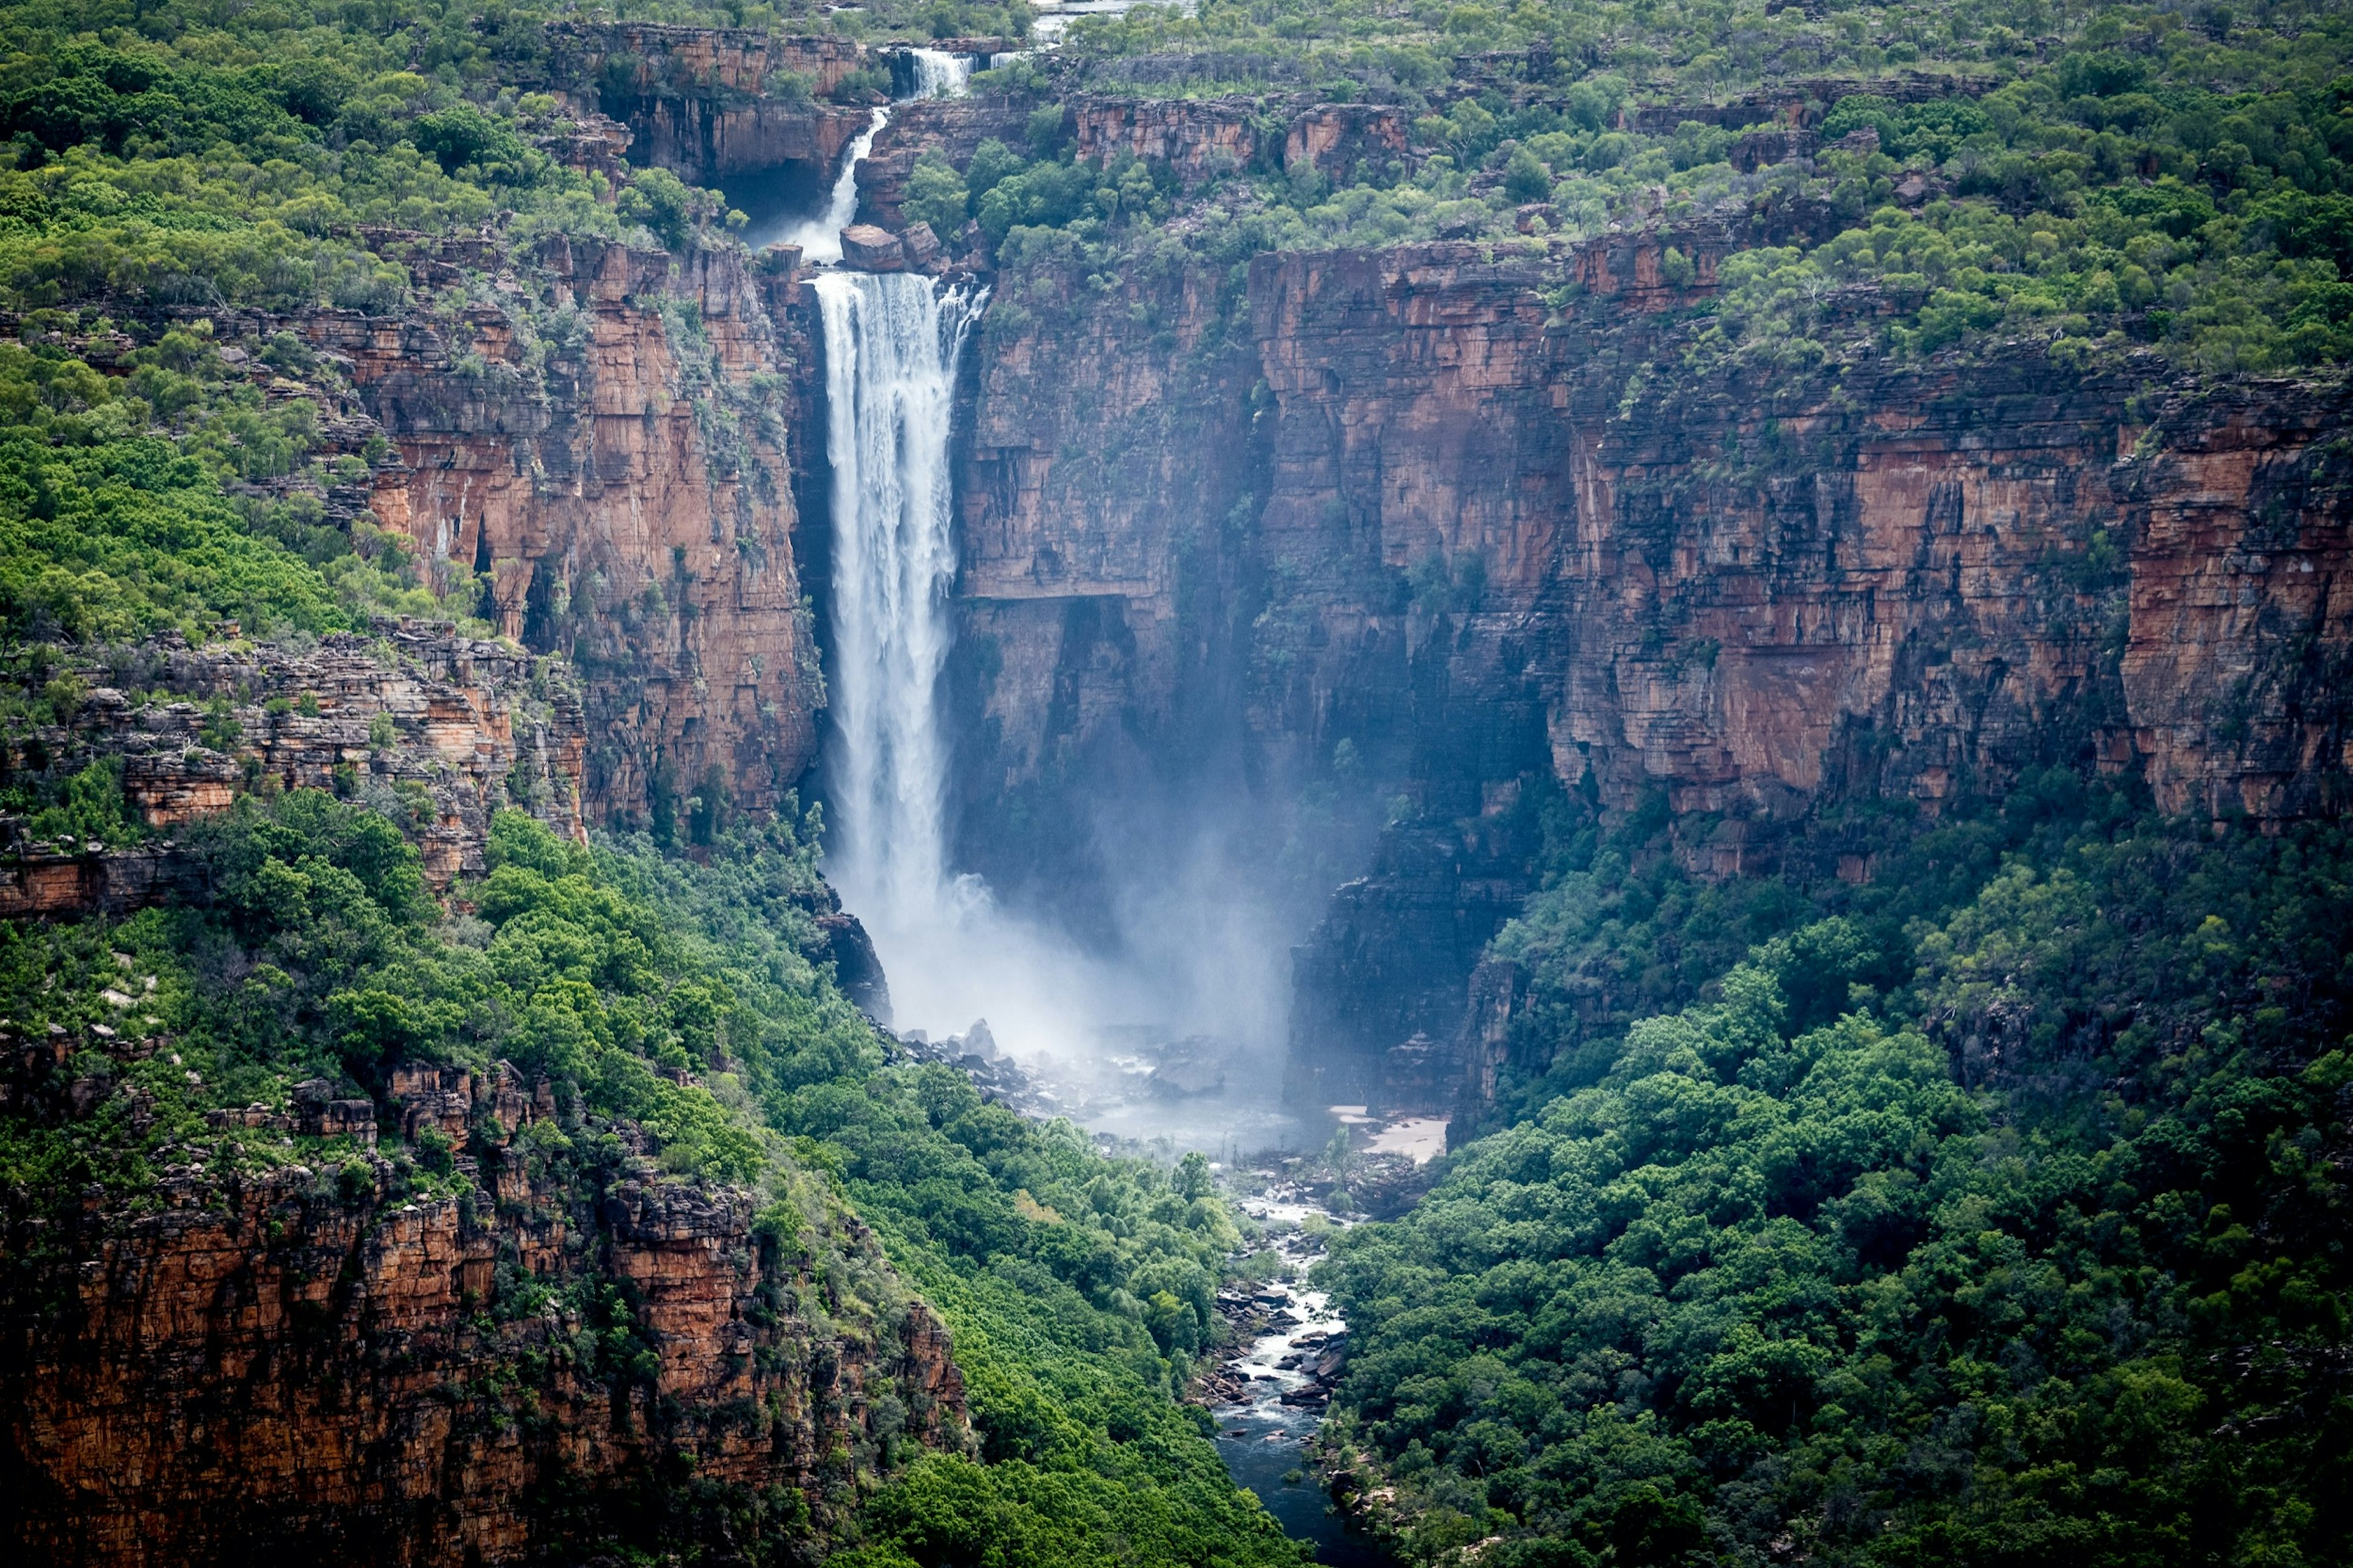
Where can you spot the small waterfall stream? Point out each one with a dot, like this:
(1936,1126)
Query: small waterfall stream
(937,74)
(819,237)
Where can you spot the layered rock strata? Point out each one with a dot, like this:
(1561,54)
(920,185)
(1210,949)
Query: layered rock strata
(611,437)
(712,103)
(1479,528)
(290,1358)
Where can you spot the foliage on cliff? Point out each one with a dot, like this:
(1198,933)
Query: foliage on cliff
(1079,1288)
(2040,1252)
(2096,177)
(678,1013)
(114,520)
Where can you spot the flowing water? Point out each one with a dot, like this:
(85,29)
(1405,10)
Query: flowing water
(820,235)
(891,341)
(1261,1436)
(893,344)
(939,74)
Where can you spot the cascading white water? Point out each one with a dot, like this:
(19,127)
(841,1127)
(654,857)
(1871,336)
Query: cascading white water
(820,238)
(891,341)
(939,74)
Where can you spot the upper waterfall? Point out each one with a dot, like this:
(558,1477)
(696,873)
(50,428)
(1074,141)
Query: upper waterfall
(891,343)
(939,74)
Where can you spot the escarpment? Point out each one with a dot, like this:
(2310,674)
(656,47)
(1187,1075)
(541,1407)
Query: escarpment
(1366,558)
(611,437)
(709,102)
(337,1355)
(438,729)
(1414,515)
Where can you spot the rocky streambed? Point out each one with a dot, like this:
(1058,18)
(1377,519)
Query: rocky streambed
(1269,1398)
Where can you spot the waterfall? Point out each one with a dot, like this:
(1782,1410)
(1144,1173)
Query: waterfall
(939,74)
(820,238)
(891,341)
(1188,951)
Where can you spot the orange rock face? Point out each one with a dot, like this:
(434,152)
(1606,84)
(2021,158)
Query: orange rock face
(297,1363)
(1338,140)
(1431,505)
(706,102)
(1914,583)
(617,455)
(1194,136)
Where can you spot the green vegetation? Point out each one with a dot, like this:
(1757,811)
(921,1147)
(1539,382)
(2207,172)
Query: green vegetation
(1989,1211)
(2095,177)
(2003,1233)
(676,1004)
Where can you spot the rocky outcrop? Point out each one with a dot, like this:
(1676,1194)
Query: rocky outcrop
(438,729)
(1805,102)
(1195,137)
(710,102)
(611,439)
(871,250)
(1345,141)
(282,1355)
(952,127)
(56,884)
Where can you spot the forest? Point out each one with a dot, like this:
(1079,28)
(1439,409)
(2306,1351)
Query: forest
(674,1008)
(1998,1219)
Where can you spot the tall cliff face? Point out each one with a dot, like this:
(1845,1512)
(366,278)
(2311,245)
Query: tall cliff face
(303,1360)
(611,435)
(1460,537)
(1101,602)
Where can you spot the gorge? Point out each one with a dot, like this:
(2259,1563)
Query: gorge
(761,769)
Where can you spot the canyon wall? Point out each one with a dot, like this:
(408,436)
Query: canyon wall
(276,1360)
(709,102)
(1464,546)
(610,437)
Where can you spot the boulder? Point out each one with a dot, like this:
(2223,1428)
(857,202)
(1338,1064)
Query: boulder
(872,250)
(921,245)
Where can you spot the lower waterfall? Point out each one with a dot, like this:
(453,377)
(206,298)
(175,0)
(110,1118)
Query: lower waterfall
(891,345)
(891,341)
(1183,971)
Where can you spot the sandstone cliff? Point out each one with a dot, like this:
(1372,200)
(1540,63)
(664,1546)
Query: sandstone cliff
(440,730)
(610,436)
(709,102)
(1482,542)
(299,1350)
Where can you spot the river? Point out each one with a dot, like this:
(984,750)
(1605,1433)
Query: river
(1291,1333)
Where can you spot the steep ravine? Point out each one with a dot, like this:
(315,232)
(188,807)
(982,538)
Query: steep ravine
(1444,549)
(1346,559)
(1356,557)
